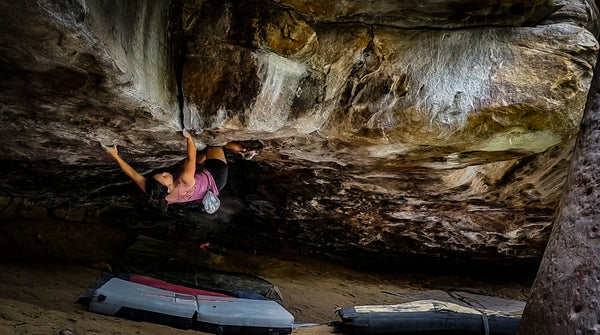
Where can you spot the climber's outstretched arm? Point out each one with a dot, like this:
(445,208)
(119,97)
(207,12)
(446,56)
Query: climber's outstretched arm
(139,180)
(189,165)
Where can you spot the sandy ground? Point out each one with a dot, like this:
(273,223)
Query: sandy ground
(40,298)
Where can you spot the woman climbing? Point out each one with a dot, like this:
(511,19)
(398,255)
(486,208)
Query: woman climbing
(202,177)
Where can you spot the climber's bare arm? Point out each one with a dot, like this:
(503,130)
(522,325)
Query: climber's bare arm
(189,165)
(139,180)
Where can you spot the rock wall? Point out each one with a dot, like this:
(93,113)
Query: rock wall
(278,71)
(79,72)
(395,132)
(564,296)
(409,140)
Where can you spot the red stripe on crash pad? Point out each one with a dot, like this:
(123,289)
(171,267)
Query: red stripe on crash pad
(161,284)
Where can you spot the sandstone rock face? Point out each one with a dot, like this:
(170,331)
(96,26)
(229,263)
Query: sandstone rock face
(79,72)
(564,296)
(442,14)
(395,131)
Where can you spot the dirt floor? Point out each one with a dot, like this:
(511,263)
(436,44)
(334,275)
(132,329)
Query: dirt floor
(40,298)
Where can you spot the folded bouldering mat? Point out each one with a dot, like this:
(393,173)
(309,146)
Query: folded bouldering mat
(460,313)
(149,299)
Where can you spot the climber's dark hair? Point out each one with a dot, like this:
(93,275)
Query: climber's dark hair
(157,193)
(156,190)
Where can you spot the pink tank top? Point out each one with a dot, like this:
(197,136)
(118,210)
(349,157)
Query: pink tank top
(203,180)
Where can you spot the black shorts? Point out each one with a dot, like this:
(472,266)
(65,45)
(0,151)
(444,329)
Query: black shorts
(218,170)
